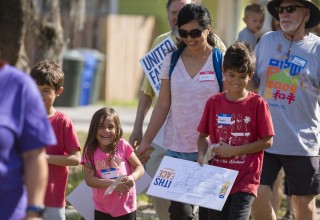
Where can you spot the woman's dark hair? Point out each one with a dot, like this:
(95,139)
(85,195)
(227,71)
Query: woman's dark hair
(199,13)
(91,143)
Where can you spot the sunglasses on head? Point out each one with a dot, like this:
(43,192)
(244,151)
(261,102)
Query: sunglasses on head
(289,9)
(194,33)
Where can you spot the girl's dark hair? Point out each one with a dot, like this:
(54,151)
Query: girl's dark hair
(91,143)
(240,57)
(199,13)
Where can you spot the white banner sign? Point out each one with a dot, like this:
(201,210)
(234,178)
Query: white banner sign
(188,182)
(151,62)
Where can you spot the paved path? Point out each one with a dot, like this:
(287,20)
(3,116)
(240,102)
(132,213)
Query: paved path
(81,116)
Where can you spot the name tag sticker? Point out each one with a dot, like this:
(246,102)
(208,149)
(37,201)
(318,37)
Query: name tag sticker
(299,61)
(110,173)
(224,119)
(207,76)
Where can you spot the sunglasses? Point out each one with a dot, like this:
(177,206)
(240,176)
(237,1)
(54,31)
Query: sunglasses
(289,9)
(194,33)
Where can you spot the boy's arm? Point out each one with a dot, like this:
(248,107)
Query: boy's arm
(72,159)
(225,150)
(202,147)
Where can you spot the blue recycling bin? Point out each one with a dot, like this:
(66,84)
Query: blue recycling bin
(91,75)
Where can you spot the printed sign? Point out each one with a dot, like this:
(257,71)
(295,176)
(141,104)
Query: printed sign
(152,61)
(188,182)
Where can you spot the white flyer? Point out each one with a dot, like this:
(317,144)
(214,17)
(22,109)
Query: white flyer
(152,61)
(186,181)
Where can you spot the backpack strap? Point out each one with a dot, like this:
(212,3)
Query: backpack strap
(217,65)
(216,59)
(174,59)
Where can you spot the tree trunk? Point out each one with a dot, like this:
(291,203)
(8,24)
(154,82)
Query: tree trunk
(12,23)
(49,42)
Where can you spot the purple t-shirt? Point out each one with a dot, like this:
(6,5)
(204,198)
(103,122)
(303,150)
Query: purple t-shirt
(24,126)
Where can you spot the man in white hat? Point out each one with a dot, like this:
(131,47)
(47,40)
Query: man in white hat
(288,77)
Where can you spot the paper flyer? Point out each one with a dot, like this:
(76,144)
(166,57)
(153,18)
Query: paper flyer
(186,181)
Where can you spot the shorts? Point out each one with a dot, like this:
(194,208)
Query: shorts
(184,156)
(237,206)
(302,173)
(54,213)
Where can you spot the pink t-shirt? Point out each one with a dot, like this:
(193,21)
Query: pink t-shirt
(67,141)
(188,98)
(113,204)
(238,123)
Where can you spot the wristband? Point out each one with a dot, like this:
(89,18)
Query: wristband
(36,209)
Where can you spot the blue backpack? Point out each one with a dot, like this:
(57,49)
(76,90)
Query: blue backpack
(216,59)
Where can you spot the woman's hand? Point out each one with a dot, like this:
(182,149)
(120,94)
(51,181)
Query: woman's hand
(143,153)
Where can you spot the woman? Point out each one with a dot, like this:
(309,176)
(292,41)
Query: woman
(184,93)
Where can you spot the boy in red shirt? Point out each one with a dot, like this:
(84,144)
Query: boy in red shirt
(240,127)
(49,78)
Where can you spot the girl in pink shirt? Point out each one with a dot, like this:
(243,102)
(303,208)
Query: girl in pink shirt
(110,168)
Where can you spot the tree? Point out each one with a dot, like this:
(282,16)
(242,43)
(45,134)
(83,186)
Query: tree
(31,31)
(12,32)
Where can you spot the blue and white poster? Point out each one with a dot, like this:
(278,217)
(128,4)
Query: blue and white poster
(188,182)
(152,61)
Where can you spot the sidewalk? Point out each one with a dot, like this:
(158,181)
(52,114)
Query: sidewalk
(81,116)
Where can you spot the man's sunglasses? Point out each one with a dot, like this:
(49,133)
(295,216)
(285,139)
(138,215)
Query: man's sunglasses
(289,9)
(194,33)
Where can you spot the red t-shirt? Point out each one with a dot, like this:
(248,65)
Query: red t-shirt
(238,123)
(67,140)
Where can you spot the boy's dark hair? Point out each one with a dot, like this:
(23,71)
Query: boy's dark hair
(48,72)
(240,57)
(253,8)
